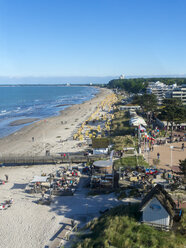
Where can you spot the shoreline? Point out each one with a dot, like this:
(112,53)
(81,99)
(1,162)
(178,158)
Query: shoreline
(29,120)
(53,133)
(16,123)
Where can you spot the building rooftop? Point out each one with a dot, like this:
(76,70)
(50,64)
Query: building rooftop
(103,163)
(162,196)
(100,143)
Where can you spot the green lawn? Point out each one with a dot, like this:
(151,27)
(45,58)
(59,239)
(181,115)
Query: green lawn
(131,161)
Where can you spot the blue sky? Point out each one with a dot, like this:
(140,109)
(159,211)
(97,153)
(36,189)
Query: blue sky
(92,37)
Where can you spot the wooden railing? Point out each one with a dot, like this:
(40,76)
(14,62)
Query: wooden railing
(29,160)
(160,226)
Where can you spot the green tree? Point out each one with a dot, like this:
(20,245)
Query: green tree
(148,103)
(173,112)
(133,85)
(136,85)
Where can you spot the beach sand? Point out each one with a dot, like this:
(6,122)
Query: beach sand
(26,224)
(54,134)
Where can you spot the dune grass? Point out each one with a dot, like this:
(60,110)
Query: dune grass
(120,228)
(120,124)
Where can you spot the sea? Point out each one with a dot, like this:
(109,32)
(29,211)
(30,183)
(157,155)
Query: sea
(22,102)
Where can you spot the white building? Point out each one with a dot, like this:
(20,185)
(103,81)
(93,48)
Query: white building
(158,208)
(130,107)
(161,90)
(180,93)
(121,76)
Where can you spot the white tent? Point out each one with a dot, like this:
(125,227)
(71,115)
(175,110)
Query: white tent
(39,179)
(136,121)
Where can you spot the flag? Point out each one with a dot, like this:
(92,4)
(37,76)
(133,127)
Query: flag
(141,128)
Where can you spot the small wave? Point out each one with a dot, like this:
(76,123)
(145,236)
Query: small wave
(28,109)
(17,110)
(4,112)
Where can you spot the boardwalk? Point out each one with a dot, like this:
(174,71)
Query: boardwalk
(36,160)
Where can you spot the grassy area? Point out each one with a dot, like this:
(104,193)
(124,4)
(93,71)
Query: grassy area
(124,141)
(182,227)
(131,161)
(120,228)
(120,124)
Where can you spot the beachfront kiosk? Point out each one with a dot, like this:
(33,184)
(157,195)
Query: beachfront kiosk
(103,166)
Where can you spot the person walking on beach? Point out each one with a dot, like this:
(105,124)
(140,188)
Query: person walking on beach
(6,176)
(158,155)
(182,146)
(43,194)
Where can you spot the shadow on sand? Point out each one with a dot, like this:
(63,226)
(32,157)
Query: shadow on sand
(79,207)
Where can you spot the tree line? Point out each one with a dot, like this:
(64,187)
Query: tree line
(137,85)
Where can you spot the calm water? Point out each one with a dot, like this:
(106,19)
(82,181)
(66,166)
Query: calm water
(20,102)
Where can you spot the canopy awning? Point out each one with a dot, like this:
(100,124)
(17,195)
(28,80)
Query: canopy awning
(39,179)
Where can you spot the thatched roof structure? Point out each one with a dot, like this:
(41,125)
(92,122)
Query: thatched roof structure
(100,143)
(162,196)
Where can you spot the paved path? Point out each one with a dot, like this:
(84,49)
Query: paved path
(165,154)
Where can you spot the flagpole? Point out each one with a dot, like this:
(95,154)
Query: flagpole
(139,140)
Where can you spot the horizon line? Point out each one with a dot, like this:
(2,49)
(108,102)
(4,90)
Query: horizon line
(114,76)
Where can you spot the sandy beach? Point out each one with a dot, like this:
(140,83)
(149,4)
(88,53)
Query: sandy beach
(26,224)
(54,134)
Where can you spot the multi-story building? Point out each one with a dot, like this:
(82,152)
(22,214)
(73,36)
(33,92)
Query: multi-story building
(161,90)
(180,93)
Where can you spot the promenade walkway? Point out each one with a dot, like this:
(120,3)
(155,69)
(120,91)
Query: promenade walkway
(166,159)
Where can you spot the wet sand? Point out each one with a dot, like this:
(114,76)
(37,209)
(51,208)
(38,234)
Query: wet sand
(23,121)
